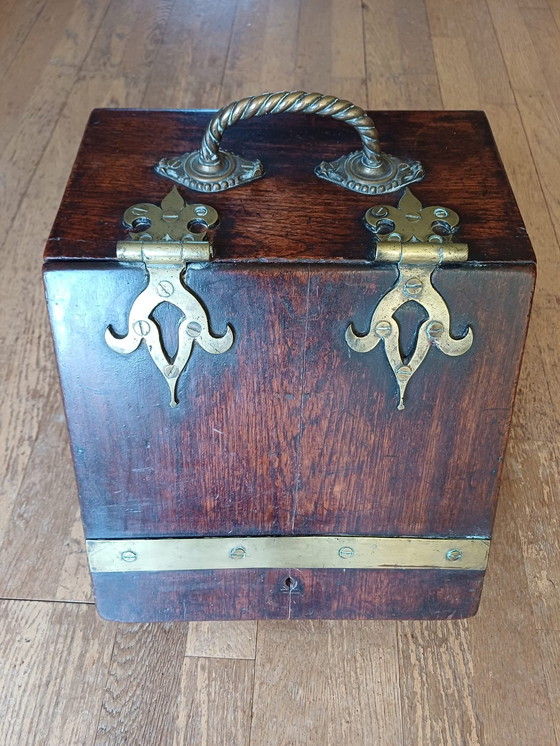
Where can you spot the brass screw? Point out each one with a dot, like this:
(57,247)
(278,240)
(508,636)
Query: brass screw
(193,328)
(171,371)
(165,288)
(346,552)
(238,553)
(435,329)
(404,373)
(200,210)
(413,287)
(454,554)
(129,556)
(141,327)
(383,329)
(379,212)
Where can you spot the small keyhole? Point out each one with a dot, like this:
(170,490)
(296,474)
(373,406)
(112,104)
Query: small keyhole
(290,584)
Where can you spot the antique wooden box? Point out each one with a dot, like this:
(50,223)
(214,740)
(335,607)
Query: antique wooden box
(340,355)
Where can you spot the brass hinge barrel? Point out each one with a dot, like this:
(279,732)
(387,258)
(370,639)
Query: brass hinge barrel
(164,252)
(421,253)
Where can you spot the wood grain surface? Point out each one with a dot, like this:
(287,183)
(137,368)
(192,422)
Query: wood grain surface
(492,680)
(306,218)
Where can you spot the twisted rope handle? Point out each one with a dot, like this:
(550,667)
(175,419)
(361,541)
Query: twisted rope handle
(368,171)
(286,102)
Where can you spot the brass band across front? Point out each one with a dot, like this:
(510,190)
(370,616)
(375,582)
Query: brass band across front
(309,552)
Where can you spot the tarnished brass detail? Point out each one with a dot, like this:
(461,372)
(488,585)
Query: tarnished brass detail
(418,240)
(310,552)
(166,241)
(369,171)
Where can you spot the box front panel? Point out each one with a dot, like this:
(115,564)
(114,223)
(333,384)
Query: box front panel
(288,433)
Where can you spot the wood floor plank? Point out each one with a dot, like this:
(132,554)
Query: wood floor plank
(214,703)
(533,97)
(330,55)
(222,640)
(128,40)
(532,478)
(400,66)
(512,698)
(17,18)
(154,688)
(74,582)
(187,70)
(545,35)
(549,642)
(143,684)
(53,668)
(470,66)
(24,72)
(326,683)
(46,507)
(242,75)
(436,679)
(480,681)
(347,52)
(281,38)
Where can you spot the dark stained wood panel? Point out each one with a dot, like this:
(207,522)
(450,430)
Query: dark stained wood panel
(263,594)
(290,214)
(433,468)
(224,461)
(290,432)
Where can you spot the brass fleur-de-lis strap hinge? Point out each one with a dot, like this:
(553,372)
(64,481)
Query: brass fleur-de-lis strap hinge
(418,240)
(166,238)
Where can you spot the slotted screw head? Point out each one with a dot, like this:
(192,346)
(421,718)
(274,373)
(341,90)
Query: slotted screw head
(346,552)
(454,554)
(435,329)
(165,288)
(413,287)
(404,373)
(141,327)
(383,329)
(194,328)
(171,371)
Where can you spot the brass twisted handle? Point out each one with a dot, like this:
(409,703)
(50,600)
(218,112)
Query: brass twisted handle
(368,171)
(286,102)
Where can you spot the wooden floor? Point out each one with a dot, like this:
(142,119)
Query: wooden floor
(69,678)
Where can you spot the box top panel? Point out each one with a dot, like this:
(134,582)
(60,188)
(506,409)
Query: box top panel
(290,214)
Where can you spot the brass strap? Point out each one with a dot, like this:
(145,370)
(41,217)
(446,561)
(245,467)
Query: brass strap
(312,552)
